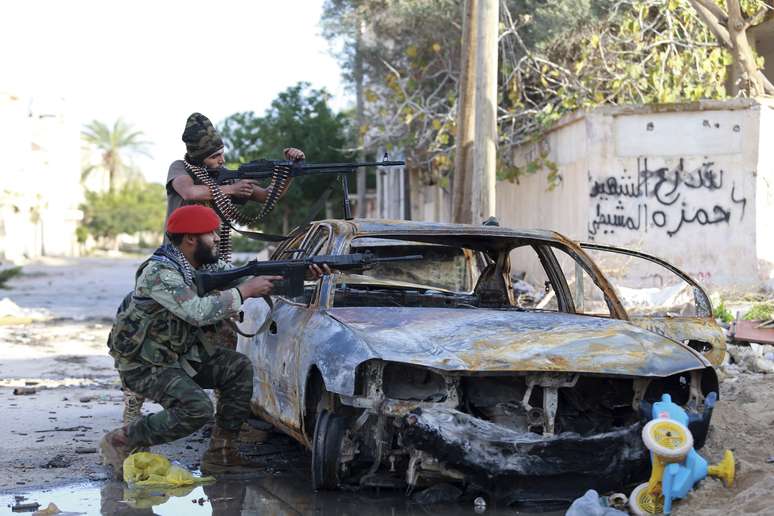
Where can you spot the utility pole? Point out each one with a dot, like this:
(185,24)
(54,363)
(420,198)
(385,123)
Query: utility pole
(485,137)
(473,191)
(466,119)
(360,207)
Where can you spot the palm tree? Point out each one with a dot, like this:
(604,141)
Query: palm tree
(114,144)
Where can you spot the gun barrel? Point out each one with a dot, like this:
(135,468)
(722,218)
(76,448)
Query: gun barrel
(407,258)
(262,169)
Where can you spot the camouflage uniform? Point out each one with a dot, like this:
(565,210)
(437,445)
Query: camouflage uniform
(165,345)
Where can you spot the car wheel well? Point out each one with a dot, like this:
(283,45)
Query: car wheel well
(316,397)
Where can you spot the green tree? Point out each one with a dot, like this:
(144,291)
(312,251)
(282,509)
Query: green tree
(298,117)
(555,57)
(137,206)
(115,144)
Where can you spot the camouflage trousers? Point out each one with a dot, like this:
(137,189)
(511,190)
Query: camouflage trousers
(186,406)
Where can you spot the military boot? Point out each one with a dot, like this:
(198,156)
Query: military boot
(223,456)
(114,448)
(132,407)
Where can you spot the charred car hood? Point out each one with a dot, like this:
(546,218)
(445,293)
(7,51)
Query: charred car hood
(506,340)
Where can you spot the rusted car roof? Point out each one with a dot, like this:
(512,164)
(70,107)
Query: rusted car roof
(384,227)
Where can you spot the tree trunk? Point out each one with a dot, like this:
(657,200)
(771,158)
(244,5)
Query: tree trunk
(730,30)
(485,138)
(360,207)
(742,52)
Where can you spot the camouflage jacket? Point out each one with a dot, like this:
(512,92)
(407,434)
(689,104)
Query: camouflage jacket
(165,323)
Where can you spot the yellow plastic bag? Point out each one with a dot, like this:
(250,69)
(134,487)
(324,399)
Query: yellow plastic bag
(145,497)
(151,469)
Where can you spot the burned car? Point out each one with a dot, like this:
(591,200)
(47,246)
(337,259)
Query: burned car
(503,359)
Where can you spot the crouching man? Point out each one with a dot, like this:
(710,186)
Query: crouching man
(165,347)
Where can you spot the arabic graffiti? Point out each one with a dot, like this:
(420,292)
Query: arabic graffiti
(664,198)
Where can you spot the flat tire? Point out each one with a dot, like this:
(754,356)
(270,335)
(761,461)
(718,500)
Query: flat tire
(329,432)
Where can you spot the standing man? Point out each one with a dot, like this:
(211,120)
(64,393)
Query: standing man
(191,180)
(165,347)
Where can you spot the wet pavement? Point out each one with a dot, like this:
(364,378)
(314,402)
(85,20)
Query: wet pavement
(281,486)
(267,495)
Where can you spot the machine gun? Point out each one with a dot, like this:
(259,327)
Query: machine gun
(281,171)
(263,168)
(292,271)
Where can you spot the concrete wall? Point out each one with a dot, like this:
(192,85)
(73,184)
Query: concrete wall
(691,183)
(40,180)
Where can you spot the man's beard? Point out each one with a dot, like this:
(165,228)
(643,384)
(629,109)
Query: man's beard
(203,254)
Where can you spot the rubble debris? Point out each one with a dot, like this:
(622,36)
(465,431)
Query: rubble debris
(591,504)
(25,507)
(438,493)
(50,510)
(79,428)
(752,331)
(756,358)
(24,391)
(85,450)
(59,461)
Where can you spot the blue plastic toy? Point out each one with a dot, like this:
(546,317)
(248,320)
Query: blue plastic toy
(676,465)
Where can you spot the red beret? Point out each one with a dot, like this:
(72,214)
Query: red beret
(193,219)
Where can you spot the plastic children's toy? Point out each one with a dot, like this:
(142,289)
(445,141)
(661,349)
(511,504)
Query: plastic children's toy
(676,465)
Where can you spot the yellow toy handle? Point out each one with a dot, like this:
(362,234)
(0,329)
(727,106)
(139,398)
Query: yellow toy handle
(725,470)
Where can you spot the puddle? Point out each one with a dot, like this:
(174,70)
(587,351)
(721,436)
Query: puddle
(271,495)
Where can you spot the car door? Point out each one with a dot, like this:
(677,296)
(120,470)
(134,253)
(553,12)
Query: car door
(661,298)
(285,335)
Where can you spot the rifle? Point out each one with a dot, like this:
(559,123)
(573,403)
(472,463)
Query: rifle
(292,271)
(263,168)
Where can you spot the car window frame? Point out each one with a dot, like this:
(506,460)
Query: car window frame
(307,235)
(702,305)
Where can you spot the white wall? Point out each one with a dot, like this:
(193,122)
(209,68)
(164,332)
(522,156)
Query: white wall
(40,179)
(689,183)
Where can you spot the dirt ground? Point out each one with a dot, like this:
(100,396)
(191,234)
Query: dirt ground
(53,328)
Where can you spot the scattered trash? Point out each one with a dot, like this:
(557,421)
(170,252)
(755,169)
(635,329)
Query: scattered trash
(618,500)
(50,510)
(79,428)
(770,460)
(150,469)
(753,358)
(753,331)
(591,504)
(438,493)
(24,391)
(479,505)
(59,461)
(25,507)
